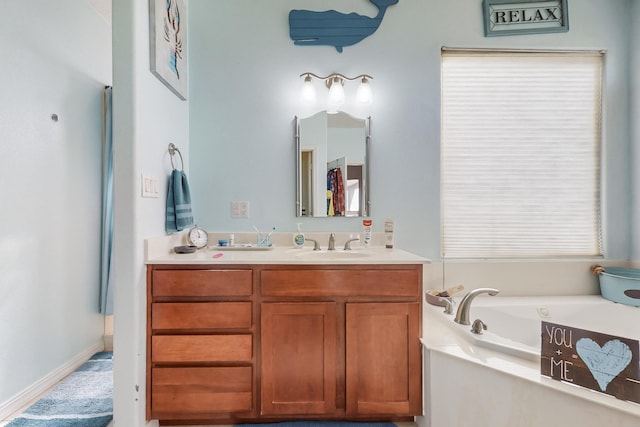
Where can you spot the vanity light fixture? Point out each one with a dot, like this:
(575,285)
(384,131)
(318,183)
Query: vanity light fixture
(336,91)
(335,84)
(364,94)
(308,95)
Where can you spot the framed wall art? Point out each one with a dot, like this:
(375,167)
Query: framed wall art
(513,17)
(168,44)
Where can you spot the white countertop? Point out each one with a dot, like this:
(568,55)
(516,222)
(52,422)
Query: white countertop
(290,256)
(160,251)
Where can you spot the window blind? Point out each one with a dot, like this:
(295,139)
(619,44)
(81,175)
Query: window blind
(520,154)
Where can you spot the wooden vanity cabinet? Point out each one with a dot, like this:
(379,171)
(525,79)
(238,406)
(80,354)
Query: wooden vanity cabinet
(261,343)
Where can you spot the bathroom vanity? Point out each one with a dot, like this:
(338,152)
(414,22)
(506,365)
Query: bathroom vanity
(267,337)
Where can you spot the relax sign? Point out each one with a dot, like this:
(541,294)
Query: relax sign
(593,360)
(508,17)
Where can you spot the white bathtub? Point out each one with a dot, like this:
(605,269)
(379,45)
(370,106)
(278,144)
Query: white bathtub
(499,371)
(513,323)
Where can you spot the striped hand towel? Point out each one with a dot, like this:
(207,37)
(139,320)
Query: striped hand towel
(179,214)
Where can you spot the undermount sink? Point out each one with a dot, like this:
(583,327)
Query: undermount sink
(331,254)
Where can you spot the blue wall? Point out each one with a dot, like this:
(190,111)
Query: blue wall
(635,128)
(245,88)
(56,58)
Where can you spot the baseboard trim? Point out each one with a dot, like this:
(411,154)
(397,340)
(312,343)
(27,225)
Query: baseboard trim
(108,342)
(21,400)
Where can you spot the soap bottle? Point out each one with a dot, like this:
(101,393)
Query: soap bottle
(367,232)
(298,238)
(388,233)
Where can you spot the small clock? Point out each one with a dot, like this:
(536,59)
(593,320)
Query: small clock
(198,237)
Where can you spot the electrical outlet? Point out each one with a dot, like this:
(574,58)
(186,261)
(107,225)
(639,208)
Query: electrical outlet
(239,209)
(150,186)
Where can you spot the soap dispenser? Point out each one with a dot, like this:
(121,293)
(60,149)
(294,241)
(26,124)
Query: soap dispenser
(298,238)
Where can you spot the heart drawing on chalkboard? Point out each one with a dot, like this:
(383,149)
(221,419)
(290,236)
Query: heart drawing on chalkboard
(606,362)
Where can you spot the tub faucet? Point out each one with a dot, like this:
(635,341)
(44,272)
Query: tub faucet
(448,305)
(462,315)
(478,326)
(332,242)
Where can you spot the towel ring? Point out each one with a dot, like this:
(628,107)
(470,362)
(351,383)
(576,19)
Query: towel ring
(172,151)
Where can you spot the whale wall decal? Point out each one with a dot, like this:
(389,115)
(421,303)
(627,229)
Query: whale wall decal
(332,28)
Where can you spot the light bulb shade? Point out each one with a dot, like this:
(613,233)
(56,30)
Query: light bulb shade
(336,93)
(364,94)
(308,94)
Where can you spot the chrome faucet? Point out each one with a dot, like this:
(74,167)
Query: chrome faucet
(347,244)
(478,326)
(448,305)
(316,245)
(462,315)
(332,242)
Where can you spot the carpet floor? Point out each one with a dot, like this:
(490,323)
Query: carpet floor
(83,399)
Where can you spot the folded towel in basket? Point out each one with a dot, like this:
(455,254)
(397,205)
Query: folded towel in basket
(179,214)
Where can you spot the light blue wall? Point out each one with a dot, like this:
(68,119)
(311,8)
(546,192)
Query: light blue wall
(147,117)
(635,127)
(56,58)
(244,94)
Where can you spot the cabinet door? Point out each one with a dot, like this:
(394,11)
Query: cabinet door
(383,359)
(298,352)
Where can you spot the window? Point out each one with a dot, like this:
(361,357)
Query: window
(520,155)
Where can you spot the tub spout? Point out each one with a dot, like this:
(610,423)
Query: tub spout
(462,315)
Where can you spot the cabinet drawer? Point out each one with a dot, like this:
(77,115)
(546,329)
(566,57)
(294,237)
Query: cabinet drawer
(201,283)
(316,283)
(201,315)
(185,392)
(201,348)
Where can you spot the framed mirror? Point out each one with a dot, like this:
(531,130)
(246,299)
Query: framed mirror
(332,168)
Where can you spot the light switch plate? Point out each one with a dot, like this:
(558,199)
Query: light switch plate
(150,186)
(239,209)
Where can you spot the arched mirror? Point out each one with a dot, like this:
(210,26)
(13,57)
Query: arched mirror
(332,170)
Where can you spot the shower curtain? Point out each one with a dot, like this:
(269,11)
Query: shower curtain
(106,296)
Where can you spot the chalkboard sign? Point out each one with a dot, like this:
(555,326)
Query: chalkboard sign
(600,362)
